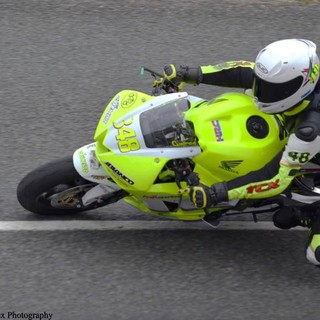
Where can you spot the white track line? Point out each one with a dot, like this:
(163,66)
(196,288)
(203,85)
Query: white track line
(133,225)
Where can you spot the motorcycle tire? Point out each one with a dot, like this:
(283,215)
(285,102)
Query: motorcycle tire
(54,188)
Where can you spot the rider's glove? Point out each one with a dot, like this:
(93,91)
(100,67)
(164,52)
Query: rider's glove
(174,76)
(178,76)
(204,197)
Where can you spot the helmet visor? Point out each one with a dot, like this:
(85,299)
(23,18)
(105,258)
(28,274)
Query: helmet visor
(268,92)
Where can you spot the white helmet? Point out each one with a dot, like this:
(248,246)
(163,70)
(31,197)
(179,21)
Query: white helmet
(286,72)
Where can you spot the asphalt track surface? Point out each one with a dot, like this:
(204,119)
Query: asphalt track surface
(61,62)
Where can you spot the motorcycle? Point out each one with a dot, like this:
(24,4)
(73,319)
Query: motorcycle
(148,146)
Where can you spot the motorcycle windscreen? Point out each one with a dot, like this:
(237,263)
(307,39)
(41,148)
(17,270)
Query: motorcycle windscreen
(165,126)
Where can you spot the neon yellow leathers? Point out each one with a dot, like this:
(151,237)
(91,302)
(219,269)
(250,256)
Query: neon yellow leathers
(222,127)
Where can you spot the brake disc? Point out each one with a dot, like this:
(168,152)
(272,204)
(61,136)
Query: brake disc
(71,198)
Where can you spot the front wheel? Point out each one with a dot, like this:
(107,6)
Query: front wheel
(56,188)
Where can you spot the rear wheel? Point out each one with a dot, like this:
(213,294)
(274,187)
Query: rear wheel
(57,188)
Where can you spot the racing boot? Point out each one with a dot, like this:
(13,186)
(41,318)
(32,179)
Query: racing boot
(290,217)
(309,216)
(313,246)
(305,216)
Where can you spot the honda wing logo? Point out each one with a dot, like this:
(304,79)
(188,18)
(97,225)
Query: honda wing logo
(230,165)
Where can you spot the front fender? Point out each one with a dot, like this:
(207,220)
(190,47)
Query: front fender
(89,167)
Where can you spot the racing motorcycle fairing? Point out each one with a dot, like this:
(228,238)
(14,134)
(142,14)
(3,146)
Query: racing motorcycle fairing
(135,146)
(138,135)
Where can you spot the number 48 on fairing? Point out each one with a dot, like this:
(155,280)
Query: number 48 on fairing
(126,136)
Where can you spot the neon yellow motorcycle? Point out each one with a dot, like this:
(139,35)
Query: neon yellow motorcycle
(147,147)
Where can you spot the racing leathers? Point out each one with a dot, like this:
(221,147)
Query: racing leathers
(302,123)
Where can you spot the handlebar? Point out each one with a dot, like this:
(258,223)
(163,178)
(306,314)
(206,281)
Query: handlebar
(165,85)
(155,74)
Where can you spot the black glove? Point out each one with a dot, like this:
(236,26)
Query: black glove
(204,197)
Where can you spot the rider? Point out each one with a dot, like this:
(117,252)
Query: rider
(284,79)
